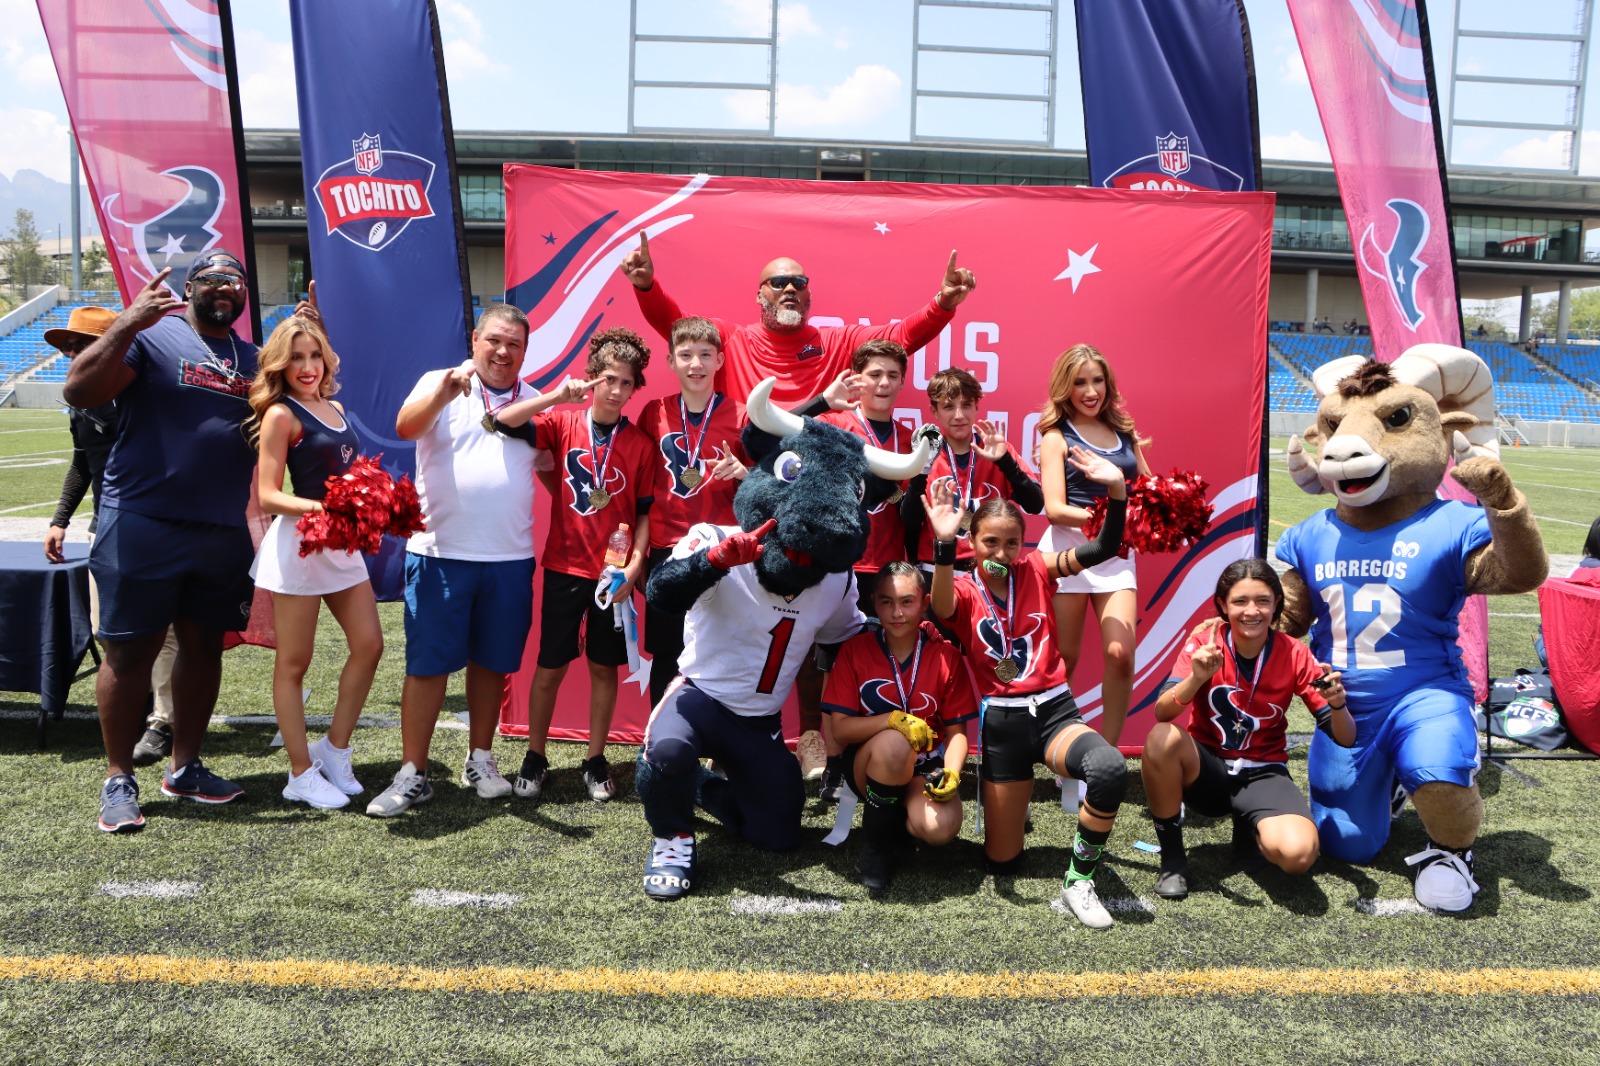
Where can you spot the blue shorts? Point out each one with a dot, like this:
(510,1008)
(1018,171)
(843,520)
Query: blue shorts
(459,611)
(1426,735)
(153,571)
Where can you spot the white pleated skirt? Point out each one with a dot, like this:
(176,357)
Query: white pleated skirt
(279,567)
(1109,576)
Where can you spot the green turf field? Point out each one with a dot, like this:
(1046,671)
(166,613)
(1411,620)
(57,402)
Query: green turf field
(260,933)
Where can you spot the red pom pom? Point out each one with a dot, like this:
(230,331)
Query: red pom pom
(360,506)
(1165,514)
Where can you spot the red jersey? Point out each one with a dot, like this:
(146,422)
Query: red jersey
(862,681)
(697,446)
(886,536)
(1246,717)
(580,518)
(805,361)
(972,478)
(1021,630)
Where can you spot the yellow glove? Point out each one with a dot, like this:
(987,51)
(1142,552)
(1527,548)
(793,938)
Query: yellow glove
(915,730)
(942,786)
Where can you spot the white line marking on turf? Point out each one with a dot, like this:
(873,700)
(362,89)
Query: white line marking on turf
(319,720)
(1390,908)
(441,897)
(1503,614)
(151,889)
(783,905)
(1114,904)
(1563,488)
(1563,521)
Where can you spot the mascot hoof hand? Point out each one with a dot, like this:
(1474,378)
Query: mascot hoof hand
(1485,478)
(670,872)
(740,548)
(917,732)
(1444,879)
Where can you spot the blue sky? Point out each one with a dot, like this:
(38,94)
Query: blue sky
(844,71)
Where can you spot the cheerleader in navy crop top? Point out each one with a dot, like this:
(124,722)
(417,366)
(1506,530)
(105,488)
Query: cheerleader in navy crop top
(298,429)
(1085,410)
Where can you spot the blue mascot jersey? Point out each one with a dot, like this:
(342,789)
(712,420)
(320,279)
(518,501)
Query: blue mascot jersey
(1386,602)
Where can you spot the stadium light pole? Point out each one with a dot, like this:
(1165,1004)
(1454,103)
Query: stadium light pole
(77,234)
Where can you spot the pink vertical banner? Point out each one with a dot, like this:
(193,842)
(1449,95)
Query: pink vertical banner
(1370,64)
(152,93)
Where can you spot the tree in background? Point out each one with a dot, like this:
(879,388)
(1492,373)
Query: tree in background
(1585,319)
(94,261)
(1491,314)
(19,252)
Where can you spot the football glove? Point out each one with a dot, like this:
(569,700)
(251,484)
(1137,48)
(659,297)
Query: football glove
(740,548)
(914,729)
(942,786)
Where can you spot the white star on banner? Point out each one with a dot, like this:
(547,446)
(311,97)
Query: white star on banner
(882,227)
(1079,266)
(174,246)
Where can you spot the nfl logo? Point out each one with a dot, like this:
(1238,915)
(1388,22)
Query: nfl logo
(369,153)
(1172,154)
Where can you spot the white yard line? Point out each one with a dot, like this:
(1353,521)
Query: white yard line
(764,905)
(441,897)
(151,889)
(1390,908)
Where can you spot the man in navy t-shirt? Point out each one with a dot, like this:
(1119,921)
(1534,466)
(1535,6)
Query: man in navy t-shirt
(172,546)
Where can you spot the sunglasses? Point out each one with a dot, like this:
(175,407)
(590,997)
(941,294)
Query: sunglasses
(779,282)
(217,281)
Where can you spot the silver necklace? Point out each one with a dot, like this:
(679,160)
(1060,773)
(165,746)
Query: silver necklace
(233,365)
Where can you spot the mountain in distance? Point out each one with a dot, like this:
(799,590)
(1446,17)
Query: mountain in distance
(49,200)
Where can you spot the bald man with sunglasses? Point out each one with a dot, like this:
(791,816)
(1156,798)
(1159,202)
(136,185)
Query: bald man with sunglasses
(804,358)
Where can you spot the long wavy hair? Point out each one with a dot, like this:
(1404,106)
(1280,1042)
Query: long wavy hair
(1058,404)
(272,364)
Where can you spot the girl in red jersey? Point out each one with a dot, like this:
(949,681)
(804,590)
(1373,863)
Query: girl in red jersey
(1236,680)
(1001,612)
(1085,409)
(900,700)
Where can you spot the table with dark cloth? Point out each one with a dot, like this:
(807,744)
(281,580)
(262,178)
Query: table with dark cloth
(44,622)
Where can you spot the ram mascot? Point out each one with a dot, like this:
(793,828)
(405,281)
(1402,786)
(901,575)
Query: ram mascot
(756,597)
(1380,578)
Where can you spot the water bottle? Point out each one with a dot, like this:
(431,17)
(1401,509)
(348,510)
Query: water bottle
(618,547)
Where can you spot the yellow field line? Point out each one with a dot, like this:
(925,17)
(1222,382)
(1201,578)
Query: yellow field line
(758,984)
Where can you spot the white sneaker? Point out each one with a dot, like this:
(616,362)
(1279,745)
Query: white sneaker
(813,755)
(410,787)
(336,765)
(1444,879)
(313,789)
(1081,898)
(483,773)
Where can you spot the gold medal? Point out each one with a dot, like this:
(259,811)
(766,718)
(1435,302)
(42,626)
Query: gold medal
(898,495)
(966,520)
(1006,670)
(488,423)
(691,478)
(598,498)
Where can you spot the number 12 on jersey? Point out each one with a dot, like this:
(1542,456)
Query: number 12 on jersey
(1371,598)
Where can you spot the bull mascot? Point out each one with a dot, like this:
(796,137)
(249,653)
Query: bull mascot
(1380,578)
(756,596)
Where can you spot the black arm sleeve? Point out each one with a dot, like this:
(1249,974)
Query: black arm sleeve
(73,487)
(814,407)
(524,432)
(1107,544)
(677,583)
(1026,493)
(912,515)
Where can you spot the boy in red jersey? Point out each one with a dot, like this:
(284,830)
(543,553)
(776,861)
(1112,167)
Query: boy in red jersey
(899,697)
(698,465)
(605,474)
(976,462)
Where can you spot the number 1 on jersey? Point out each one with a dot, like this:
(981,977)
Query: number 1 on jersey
(775,653)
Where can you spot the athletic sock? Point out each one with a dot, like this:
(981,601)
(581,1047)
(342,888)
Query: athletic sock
(1169,834)
(1087,850)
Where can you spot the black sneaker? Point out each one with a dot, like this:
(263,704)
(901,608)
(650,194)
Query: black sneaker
(119,805)
(197,783)
(1172,883)
(532,778)
(875,866)
(597,778)
(155,745)
(832,780)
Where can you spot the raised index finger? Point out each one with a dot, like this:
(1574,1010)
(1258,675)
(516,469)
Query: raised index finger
(644,241)
(160,278)
(950,267)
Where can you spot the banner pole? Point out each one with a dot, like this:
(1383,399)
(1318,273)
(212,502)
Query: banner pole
(230,66)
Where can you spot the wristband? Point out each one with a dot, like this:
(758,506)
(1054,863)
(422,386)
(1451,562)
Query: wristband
(944,553)
(1324,717)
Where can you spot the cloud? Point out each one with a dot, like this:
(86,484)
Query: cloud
(459,18)
(753,18)
(1294,145)
(1292,71)
(464,60)
(1550,153)
(31,139)
(868,92)
(266,82)
(794,20)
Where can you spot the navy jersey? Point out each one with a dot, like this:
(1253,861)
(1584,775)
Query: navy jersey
(1386,601)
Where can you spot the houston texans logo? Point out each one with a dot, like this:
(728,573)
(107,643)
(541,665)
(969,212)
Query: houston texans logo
(1389,31)
(1228,711)
(196,39)
(180,232)
(980,492)
(676,455)
(580,479)
(881,697)
(1398,265)
(1021,650)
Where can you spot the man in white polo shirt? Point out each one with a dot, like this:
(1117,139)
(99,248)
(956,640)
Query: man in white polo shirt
(469,578)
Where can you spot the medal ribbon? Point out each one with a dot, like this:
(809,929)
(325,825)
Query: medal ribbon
(705,426)
(1261,662)
(992,609)
(490,409)
(965,493)
(872,433)
(894,669)
(601,459)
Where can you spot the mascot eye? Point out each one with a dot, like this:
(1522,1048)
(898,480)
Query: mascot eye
(786,467)
(1331,424)
(1398,419)
(861,491)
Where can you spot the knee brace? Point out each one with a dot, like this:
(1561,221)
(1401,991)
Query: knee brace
(1103,771)
(671,755)
(1452,814)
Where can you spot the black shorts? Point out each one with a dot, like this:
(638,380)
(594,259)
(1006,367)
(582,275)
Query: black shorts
(153,571)
(566,606)
(1253,794)
(928,764)
(1015,738)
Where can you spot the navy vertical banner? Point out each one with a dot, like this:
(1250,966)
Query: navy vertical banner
(382,211)
(1168,94)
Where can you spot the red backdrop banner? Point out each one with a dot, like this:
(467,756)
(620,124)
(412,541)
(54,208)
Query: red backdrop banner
(1171,286)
